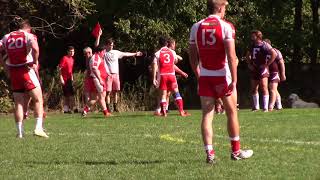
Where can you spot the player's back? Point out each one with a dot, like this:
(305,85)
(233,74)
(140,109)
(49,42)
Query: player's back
(17,45)
(274,67)
(166,59)
(259,53)
(210,43)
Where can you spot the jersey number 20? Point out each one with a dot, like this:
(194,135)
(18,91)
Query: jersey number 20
(15,43)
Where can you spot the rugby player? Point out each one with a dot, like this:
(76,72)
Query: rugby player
(164,63)
(23,53)
(277,74)
(214,62)
(258,65)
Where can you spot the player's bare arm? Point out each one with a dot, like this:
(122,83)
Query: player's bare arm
(154,73)
(232,61)
(282,69)
(194,60)
(179,71)
(129,54)
(60,76)
(97,42)
(249,61)
(96,72)
(35,53)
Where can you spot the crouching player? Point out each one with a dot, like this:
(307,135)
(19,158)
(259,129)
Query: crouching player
(23,53)
(277,74)
(165,61)
(96,84)
(214,61)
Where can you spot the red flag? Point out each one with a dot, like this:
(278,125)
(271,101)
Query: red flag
(96,30)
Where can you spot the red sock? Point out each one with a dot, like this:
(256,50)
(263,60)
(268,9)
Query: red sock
(179,103)
(105,112)
(235,145)
(163,106)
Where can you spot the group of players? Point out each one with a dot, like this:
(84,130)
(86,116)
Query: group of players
(212,57)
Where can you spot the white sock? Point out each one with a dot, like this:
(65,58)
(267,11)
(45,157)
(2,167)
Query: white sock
(19,128)
(158,110)
(65,108)
(278,102)
(167,108)
(265,102)
(39,123)
(208,147)
(255,99)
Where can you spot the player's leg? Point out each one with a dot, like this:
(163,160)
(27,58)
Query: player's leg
(255,94)
(158,108)
(207,105)
(36,95)
(116,89)
(234,129)
(26,103)
(265,93)
(168,100)
(18,112)
(163,102)
(116,99)
(273,86)
(109,90)
(278,101)
(102,103)
(179,102)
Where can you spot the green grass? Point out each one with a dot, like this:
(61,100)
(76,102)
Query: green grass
(286,145)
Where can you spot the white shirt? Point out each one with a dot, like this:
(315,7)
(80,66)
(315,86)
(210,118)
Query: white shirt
(112,59)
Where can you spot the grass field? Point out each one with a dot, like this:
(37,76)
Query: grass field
(139,146)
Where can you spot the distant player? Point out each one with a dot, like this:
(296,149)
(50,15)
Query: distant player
(258,65)
(214,62)
(112,59)
(277,74)
(96,84)
(23,53)
(66,79)
(165,60)
(171,45)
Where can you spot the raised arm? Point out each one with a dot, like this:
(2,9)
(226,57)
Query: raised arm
(97,42)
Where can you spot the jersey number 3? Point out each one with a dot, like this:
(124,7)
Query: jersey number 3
(167,58)
(208,37)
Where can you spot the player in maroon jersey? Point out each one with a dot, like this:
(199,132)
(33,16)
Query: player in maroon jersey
(214,62)
(277,74)
(97,85)
(164,64)
(258,65)
(23,53)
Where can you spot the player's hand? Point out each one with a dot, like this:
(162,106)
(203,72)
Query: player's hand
(100,32)
(155,82)
(185,75)
(232,87)
(283,78)
(139,53)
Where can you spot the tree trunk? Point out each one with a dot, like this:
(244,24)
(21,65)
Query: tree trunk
(315,31)
(297,53)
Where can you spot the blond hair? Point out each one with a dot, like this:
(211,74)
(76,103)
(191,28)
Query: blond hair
(213,5)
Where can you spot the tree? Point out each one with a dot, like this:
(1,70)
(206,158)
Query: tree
(315,31)
(297,31)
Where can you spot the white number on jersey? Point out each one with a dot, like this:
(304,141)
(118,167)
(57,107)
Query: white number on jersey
(212,39)
(167,60)
(15,43)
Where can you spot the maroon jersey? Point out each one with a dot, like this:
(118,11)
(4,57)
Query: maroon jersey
(259,53)
(274,67)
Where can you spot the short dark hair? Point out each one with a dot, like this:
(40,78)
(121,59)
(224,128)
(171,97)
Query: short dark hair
(163,41)
(18,23)
(170,41)
(69,48)
(100,48)
(109,41)
(257,33)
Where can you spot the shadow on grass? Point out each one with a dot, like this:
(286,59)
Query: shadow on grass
(117,116)
(94,163)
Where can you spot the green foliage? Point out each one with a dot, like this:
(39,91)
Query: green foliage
(6,103)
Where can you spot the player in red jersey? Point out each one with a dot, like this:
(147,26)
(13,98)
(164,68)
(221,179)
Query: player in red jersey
(277,74)
(66,79)
(97,82)
(166,59)
(214,62)
(258,65)
(171,45)
(23,54)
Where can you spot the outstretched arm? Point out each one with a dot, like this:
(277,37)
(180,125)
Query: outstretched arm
(129,54)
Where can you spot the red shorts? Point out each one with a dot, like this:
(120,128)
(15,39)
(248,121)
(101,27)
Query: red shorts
(113,82)
(216,87)
(259,74)
(168,82)
(92,85)
(274,77)
(23,79)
